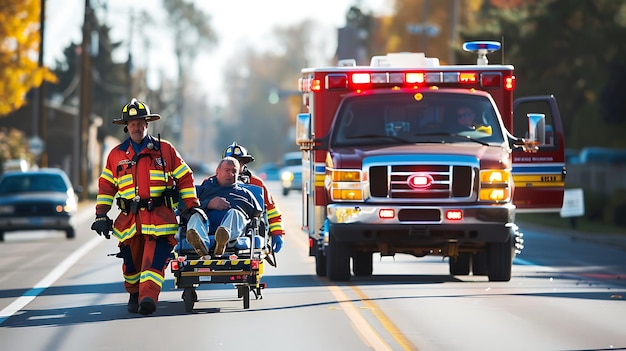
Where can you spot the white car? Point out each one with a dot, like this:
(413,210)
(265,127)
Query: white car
(291,172)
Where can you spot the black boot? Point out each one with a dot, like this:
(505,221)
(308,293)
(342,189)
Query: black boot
(147,306)
(133,303)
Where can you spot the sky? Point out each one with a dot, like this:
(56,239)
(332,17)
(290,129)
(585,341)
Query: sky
(235,28)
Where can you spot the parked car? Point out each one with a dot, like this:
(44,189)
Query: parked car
(291,172)
(40,199)
(268,171)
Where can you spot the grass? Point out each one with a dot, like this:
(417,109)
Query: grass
(580,224)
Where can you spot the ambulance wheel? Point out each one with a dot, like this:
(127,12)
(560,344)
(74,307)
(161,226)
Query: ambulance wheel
(337,259)
(70,233)
(189,298)
(362,264)
(460,265)
(320,263)
(500,261)
(479,263)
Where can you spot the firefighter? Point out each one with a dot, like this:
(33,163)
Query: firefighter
(149,177)
(274,218)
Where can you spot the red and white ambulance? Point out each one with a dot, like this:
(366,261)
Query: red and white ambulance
(410,156)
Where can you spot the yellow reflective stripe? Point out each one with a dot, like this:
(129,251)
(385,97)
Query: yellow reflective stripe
(127,233)
(539,184)
(132,279)
(538,178)
(186,193)
(276,227)
(319,179)
(128,193)
(272,213)
(180,171)
(108,176)
(156,174)
(160,229)
(152,276)
(125,180)
(103,199)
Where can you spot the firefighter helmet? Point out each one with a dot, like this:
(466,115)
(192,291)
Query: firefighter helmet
(239,152)
(136,110)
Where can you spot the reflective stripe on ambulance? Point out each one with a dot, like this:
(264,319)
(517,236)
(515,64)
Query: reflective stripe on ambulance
(539,175)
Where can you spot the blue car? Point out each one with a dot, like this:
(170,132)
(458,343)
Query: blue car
(291,172)
(40,199)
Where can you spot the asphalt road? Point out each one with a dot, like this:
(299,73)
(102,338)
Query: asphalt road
(567,293)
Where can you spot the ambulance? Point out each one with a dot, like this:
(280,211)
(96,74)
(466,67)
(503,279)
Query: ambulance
(410,156)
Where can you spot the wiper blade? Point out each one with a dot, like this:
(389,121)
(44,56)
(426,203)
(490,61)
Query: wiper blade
(378,136)
(454,135)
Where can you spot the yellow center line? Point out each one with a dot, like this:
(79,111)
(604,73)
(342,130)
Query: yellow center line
(389,326)
(362,327)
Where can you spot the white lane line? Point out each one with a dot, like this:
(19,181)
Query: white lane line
(47,281)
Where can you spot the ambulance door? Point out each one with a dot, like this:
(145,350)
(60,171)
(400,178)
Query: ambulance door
(539,174)
(305,141)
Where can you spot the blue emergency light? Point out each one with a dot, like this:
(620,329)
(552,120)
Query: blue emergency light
(475,46)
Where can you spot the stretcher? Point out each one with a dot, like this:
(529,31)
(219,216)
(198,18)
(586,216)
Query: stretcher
(242,268)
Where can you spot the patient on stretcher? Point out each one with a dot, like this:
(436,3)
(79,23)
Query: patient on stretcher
(227,208)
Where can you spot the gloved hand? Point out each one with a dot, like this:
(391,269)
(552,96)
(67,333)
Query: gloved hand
(103,225)
(191,211)
(277,243)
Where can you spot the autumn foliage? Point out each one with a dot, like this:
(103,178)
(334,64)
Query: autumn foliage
(19,52)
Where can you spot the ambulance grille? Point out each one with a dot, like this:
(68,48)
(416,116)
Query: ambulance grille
(449,182)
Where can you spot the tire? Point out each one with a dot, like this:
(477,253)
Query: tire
(285,192)
(460,265)
(337,260)
(362,264)
(500,261)
(320,263)
(1,236)
(70,233)
(480,263)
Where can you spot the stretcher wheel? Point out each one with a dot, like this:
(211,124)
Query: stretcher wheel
(189,297)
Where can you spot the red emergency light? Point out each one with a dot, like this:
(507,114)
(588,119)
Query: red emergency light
(386,213)
(454,215)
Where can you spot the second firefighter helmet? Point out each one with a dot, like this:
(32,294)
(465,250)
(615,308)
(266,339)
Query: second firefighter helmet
(136,110)
(239,152)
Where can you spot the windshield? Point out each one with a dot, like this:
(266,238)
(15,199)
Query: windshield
(33,182)
(416,117)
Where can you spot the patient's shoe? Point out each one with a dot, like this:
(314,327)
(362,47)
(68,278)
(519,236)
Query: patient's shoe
(196,241)
(222,235)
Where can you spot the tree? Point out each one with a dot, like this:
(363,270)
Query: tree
(19,46)
(566,48)
(192,31)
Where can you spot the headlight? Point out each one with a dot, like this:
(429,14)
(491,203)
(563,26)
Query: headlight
(286,176)
(7,209)
(345,185)
(495,185)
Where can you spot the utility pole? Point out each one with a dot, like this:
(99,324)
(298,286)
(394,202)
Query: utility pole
(85,103)
(41,91)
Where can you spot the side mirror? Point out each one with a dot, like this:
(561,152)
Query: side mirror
(536,133)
